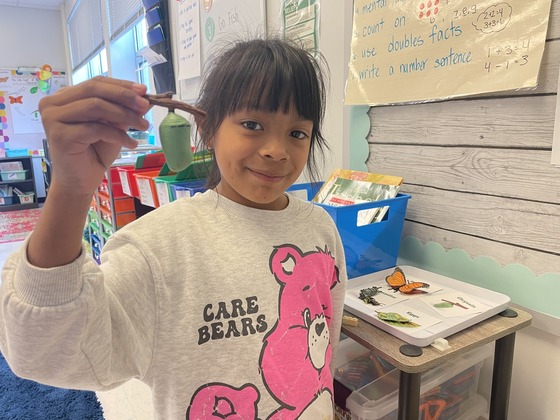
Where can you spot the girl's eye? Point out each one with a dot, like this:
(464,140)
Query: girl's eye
(299,134)
(252,125)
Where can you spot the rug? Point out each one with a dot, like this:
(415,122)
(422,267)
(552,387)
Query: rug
(16,225)
(21,399)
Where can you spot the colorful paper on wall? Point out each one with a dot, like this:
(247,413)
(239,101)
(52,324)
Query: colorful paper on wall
(23,98)
(415,51)
(4,128)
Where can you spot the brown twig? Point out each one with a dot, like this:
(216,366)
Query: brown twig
(164,100)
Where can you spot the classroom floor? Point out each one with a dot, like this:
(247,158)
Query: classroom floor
(131,401)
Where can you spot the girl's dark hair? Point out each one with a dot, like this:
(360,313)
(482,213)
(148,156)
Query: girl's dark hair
(270,75)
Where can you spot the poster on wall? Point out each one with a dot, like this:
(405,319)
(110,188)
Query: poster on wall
(301,22)
(189,39)
(422,50)
(26,89)
(220,23)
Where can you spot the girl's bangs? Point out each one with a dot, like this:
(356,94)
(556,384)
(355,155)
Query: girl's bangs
(274,88)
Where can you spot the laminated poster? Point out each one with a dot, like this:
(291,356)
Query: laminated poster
(423,50)
(301,22)
(23,96)
(189,39)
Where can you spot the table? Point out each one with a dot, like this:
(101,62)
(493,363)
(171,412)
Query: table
(500,328)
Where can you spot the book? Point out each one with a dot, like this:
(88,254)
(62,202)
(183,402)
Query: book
(346,187)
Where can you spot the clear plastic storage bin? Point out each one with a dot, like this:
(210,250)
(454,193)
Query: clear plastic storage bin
(369,386)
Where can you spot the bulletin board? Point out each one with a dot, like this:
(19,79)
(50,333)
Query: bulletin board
(218,21)
(414,51)
(20,93)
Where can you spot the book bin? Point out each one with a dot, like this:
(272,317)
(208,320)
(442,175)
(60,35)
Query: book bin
(371,247)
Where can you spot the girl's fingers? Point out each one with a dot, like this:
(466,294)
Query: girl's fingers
(122,92)
(95,109)
(77,136)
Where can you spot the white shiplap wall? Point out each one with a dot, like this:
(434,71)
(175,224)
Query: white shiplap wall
(479,168)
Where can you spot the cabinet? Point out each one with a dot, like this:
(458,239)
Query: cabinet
(27,185)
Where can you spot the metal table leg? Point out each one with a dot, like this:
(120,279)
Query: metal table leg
(409,396)
(501,377)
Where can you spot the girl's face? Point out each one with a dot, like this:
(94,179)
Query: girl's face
(260,154)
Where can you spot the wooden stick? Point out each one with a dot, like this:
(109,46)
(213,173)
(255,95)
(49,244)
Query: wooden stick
(164,100)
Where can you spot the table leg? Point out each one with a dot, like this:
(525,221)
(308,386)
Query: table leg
(501,377)
(409,396)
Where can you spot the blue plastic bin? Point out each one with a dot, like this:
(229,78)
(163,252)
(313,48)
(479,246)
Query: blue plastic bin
(17,152)
(187,188)
(371,247)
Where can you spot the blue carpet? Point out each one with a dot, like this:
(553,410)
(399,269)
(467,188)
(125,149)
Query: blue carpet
(21,399)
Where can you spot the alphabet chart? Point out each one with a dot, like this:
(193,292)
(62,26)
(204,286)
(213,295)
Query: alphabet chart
(421,50)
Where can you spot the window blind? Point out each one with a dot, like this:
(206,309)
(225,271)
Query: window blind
(122,14)
(85,31)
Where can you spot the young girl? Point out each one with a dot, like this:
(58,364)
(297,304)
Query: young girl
(227,304)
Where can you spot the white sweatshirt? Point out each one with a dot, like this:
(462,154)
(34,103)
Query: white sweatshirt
(221,309)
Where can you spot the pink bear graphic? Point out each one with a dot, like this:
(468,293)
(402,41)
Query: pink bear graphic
(220,401)
(296,353)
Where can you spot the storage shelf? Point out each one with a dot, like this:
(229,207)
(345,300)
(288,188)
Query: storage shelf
(16,181)
(12,207)
(29,184)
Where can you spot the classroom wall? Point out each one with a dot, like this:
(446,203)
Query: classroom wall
(40,43)
(479,173)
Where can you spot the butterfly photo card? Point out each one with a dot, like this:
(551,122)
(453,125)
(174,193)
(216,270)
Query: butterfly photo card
(452,304)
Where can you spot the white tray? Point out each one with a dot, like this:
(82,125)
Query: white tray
(492,304)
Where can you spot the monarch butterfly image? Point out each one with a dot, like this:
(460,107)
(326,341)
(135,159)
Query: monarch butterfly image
(398,282)
(16,99)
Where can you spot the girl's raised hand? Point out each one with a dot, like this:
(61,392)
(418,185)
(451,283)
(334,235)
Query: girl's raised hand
(86,128)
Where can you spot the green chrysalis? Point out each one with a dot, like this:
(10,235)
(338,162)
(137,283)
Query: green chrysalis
(175,137)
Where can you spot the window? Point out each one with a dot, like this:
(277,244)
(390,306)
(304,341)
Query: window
(96,66)
(84,32)
(127,31)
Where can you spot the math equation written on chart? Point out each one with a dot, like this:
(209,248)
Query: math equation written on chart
(408,51)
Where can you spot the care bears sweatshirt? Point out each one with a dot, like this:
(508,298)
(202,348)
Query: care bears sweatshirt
(221,309)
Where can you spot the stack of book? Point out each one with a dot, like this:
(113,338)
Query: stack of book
(346,187)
